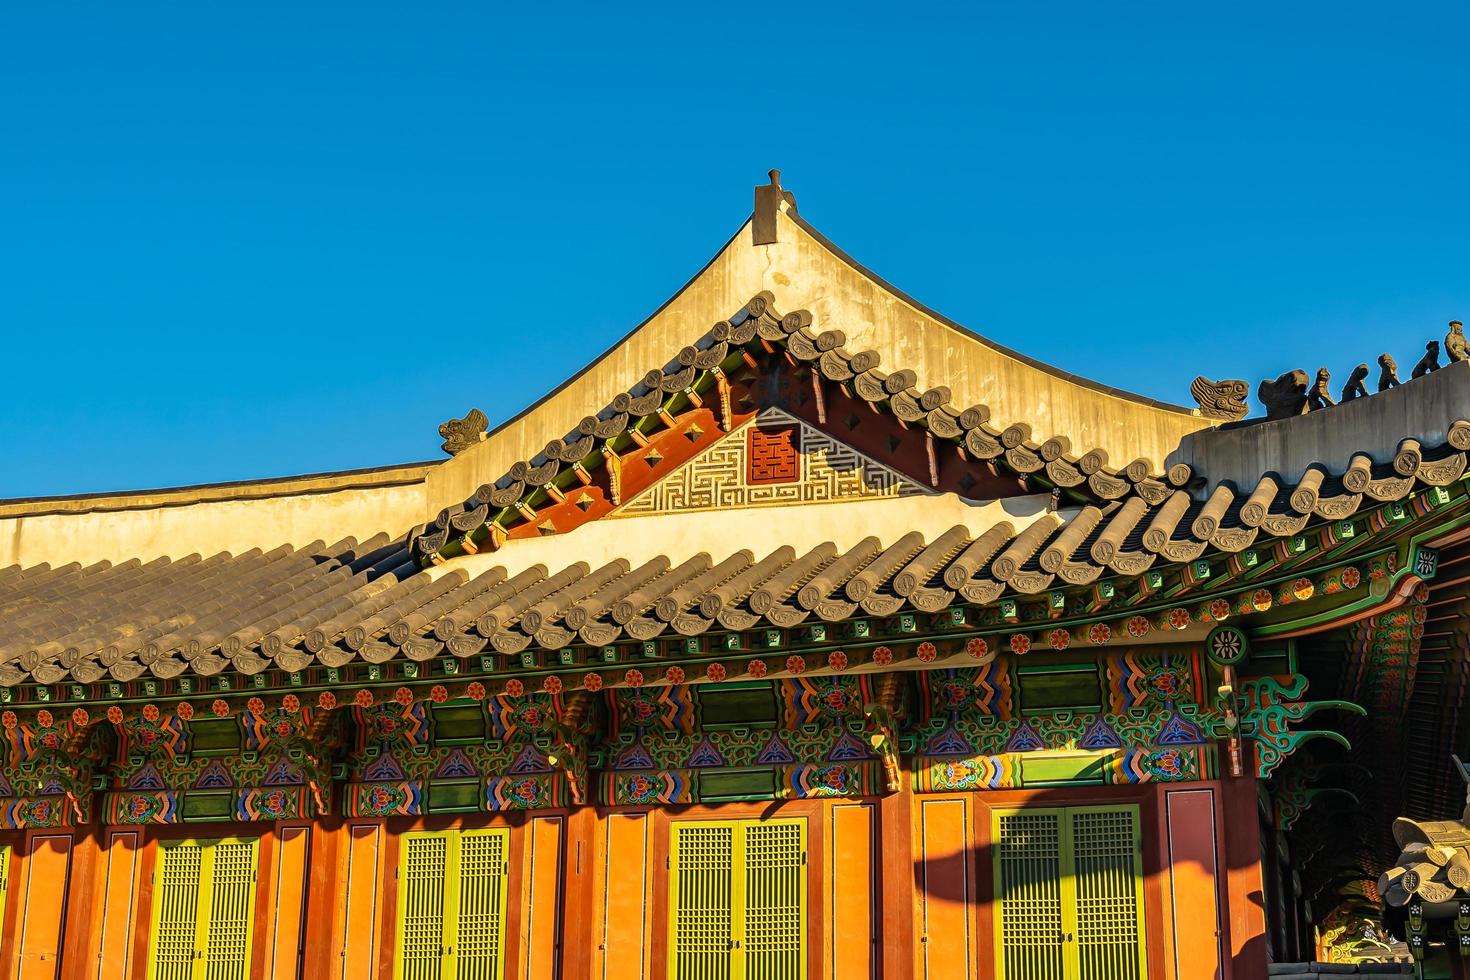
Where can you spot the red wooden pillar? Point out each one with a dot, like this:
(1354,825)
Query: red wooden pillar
(578,935)
(1245,888)
(896,885)
(323,903)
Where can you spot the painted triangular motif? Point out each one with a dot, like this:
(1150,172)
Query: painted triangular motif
(950,742)
(146,778)
(635,756)
(1024,739)
(531,759)
(215,776)
(284,773)
(1099,735)
(704,756)
(456,766)
(847,749)
(773,460)
(383,768)
(1179,730)
(775,753)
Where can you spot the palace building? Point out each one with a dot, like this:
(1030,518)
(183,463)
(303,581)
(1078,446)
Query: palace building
(803,634)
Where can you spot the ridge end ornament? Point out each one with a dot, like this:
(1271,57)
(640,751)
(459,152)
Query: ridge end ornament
(461,434)
(1220,399)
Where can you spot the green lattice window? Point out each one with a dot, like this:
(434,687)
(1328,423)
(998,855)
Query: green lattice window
(1069,886)
(203,907)
(738,900)
(451,905)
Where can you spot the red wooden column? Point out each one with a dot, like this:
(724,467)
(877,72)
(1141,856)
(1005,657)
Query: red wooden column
(323,901)
(82,917)
(1245,888)
(896,883)
(579,937)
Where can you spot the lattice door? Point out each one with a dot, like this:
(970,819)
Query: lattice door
(451,905)
(1107,881)
(738,900)
(203,909)
(1069,885)
(4,877)
(1029,877)
(479,948)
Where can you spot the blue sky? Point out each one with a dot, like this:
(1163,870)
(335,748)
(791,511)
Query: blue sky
(250,240)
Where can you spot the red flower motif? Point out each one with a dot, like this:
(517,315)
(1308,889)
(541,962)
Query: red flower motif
(1059,639)
(837,660)
(756,668)
(8,719)
(255,706)
(326,700)
(796,664)
(1178,618)
(44,718)
(115,715)
(1351,577)
(927,652)
(438,694)
(715,672)
(364,698)
(882,656)
(1220,610)
(475,691)
(79,717)
(592,682)
(1020,643)
(634,677)
(220,707)
(291,703)
(405,697)
(551,685)
(1138,627)
(185,710)
(1099,633)
(1303,589)
(1261,600)
(150,712)
(977,648)
(674,675)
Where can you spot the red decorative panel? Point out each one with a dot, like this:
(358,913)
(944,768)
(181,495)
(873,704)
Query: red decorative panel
(771,454)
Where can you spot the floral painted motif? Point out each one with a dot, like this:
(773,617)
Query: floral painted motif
(1303,589)
(115,715)
(882,656)
(715,672)
(185,710)
(1020,643)
(552,685)
(475,691)
(513,688)
(593,681)
(756,668)
(634,677)
(977,648)
(364,698)
(1261,600)
(837,660)
(674,675)
(1138,627)
(796,664)
(255,706)
(79,717)
(1099,633)
(439,694)
(150,711)
(220,707)
(927,652)
(1220,610)
(1351,577)
(326,701)
(1059,639)
(291,703)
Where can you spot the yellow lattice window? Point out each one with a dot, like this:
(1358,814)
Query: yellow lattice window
(4,877)
(203,908)
(737,900)
(1069,884)
(451,905)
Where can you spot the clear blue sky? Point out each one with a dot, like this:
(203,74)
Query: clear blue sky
(260,239)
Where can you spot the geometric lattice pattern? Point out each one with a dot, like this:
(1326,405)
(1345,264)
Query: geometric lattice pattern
(203,910)
(451,905)
(1069,885)
(738,900)
(811,467)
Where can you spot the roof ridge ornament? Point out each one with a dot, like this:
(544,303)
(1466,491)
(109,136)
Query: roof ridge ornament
(768,201)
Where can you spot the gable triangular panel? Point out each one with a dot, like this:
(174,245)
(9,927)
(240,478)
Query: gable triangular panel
(773,460)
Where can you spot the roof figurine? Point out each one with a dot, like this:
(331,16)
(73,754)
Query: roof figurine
(1389,376)
(1220,399)
(1429,362)
(1284,397)
(461,434)
(1319,397)
(1455,346)
(1355,387)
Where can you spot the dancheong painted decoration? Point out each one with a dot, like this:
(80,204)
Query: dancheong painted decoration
(840,642)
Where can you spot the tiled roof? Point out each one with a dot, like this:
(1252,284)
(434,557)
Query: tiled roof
(288,608)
